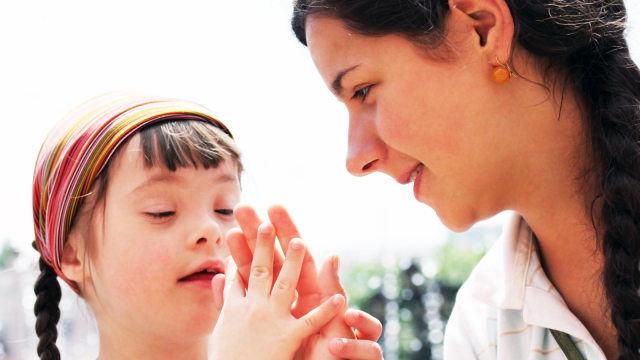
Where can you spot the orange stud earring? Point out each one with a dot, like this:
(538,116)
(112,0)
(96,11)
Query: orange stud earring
(500,74)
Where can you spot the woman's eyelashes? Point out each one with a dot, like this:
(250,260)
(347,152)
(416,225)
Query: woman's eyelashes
(362,93)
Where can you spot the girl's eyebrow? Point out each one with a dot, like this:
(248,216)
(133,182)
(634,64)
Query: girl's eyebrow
(165,177)
(158,178)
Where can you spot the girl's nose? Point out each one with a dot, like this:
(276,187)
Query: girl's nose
(208,233)
(366,150)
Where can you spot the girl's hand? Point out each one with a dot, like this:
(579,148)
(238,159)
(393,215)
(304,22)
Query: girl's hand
(334,340)
(258,324)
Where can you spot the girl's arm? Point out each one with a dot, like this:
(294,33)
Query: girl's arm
(334,340)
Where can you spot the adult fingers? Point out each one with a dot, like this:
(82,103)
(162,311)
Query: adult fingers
(329,278)
(261,277)
(315,319)
(286,231)
(241,253)
(367,327)
(355,349)
(285,227)
(249,222)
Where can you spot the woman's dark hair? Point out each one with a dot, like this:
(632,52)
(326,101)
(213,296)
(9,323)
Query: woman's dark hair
(582,40)
(173,144)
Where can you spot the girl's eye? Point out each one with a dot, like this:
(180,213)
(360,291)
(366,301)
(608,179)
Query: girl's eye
(227,212)
(161,215)
(362,93)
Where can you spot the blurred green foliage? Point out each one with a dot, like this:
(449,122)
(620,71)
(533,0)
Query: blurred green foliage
(7,255)
(455,263)
(414,296)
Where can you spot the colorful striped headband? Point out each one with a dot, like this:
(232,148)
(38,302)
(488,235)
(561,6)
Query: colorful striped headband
(77,149)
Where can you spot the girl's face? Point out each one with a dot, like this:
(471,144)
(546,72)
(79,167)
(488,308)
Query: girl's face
(156,241)
(438,123)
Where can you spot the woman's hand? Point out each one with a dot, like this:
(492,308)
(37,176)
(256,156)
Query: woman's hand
(336,340)
(258,324)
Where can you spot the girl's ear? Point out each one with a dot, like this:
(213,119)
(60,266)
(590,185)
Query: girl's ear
(493,24)
(73,257)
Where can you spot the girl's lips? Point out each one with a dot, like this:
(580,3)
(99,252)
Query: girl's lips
(199,279)
(202,275)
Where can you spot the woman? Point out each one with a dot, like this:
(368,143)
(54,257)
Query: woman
(489,105)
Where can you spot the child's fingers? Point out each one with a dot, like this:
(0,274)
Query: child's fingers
(315,319)
(249,222)
(261,277)
(355,349)
(284,289)
(286,230)
(233,285)
(217,286)
(240,252)
(367,327)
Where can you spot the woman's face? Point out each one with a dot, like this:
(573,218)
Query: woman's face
(434,122)
(156,241)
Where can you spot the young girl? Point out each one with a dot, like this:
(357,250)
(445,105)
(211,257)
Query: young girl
(132,197)
(492,105)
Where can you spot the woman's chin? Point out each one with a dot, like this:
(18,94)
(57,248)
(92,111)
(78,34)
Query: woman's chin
(455,221)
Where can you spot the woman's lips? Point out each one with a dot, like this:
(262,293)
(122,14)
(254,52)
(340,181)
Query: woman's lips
(416,177)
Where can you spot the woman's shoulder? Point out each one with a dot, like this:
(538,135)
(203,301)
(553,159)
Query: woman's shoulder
(487,316)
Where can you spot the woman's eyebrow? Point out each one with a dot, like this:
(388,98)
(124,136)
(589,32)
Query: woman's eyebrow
(337,82)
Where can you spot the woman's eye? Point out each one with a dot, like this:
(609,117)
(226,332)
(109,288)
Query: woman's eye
(362,93)
(161,215)
(224,211)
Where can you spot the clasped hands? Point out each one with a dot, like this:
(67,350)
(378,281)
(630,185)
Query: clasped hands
(282,307)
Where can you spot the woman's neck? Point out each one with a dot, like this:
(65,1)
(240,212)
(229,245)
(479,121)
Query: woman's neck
(557,196)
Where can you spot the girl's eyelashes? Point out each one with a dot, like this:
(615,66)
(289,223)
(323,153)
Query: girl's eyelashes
(161,214)
(362,93)
(226,212)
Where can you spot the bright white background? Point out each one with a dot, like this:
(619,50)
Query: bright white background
(240,59)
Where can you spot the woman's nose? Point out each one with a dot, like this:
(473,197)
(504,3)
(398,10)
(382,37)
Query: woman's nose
(365,150)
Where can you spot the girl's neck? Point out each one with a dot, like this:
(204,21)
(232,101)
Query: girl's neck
(124,344)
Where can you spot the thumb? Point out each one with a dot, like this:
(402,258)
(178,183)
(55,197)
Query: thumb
(233,285)
(217,285)
(329,278)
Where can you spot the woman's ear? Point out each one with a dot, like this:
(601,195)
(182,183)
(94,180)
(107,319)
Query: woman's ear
(493,24)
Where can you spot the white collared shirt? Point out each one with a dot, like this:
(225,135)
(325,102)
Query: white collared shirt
(505,308)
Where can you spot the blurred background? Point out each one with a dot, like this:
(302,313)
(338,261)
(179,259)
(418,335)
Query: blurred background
(240,59)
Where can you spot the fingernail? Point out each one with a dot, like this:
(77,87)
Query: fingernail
(338,344)
(336,300)
(265,229)
(295,244)
(336,263)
